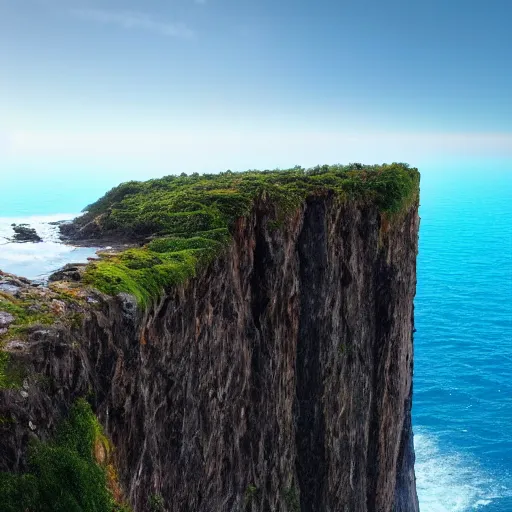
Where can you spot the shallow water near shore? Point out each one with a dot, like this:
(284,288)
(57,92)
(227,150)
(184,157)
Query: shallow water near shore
(36,261)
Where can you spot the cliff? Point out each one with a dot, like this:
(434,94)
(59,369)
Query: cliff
(253,352)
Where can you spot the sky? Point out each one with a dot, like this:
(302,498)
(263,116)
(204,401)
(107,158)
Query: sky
(124,89)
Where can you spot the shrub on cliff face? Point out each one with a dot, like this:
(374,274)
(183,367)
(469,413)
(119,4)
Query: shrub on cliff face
(63,475)
(292,500)
(156,503)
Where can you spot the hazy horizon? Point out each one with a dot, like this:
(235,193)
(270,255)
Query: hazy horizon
(133,90)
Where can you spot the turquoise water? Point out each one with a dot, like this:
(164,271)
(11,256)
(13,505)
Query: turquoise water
(35,194)
(463,345)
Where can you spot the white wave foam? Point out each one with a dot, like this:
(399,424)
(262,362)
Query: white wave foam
(450,482)
(38,260)
(41,223)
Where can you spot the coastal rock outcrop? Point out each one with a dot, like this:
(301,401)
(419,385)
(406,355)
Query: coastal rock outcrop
(277,377)
(24,233)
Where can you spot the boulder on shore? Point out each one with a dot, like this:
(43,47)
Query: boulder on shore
(70,272)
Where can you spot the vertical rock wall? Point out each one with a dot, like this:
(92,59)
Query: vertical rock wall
(277,380)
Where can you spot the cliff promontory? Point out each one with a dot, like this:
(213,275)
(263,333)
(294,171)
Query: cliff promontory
(251,351)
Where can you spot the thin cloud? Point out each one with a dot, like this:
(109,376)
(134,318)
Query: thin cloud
(135,20)
(251,147)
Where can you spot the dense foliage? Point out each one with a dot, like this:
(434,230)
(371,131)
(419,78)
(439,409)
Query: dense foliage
(191,216)
(63,474)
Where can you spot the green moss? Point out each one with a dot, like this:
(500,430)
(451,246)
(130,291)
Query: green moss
(292,500)
(251,494)
(174,244)
(156,503)
(190,218)
(6,420)
(143,273)
(26,312)
(12,372)
(6,381)
(63,475)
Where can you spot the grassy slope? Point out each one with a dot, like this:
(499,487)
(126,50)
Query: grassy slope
(190,217)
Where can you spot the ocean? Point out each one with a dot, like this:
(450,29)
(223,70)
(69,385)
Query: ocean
(462,413)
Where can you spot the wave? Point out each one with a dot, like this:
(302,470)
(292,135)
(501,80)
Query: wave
(38,260)
(41,223)
(452,481)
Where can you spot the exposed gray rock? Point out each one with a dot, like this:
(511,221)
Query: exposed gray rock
(15,346)
(8,287)
(128,306)
(70,272)
(6,319)
(89,230)
(24,233)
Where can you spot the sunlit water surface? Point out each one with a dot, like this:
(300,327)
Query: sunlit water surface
(462,409)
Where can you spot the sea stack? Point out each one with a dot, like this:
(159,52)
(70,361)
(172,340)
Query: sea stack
(24,233)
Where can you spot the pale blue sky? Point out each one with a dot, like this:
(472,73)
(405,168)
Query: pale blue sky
(132,89)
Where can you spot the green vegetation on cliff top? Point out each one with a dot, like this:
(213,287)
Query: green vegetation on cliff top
(64,474)
(189,217)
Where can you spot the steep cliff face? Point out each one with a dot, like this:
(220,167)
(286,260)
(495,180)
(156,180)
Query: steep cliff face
(277,379)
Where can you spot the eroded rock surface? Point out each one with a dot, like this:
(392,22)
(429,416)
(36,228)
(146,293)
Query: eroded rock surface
(278,379)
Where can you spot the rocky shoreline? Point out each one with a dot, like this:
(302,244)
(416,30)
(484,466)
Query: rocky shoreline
(24,239)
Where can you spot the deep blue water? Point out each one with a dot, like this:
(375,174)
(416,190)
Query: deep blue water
(463,345)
